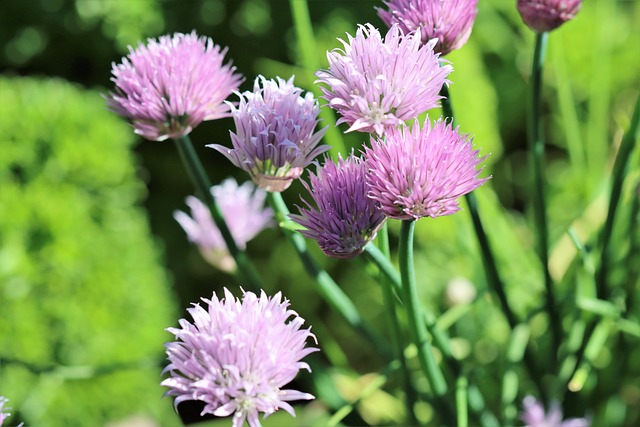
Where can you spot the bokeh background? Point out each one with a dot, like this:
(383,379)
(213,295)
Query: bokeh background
(93,267)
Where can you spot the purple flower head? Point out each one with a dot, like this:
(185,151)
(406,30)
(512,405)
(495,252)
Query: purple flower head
(345,219)
(533,414)
(547,15)
(421,172)
(242,208)
(376,83)
(168,87)
(448,21)
(275,135)
(237,355)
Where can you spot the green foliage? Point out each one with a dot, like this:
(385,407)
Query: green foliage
(83,298)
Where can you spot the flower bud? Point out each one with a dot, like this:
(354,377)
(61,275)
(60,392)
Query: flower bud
(547,15)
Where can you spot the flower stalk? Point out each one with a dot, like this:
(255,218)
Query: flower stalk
(416,324)
(536,146)
(327,287)
(397,337)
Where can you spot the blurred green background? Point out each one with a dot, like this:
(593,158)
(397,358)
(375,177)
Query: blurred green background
(93,267)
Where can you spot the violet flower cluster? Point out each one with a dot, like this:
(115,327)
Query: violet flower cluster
(345,219)
(376,82)
(169,86)
(534,415)
(237,355)
(275,136)
(450,22)
(547,15)
(242,207)
(421,171)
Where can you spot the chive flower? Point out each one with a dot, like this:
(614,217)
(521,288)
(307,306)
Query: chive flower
(448,21)
(242,207)
(275,136)
(237,355)
(534,415)
(344,219)
(169,86)
(421,171)
(547,15)
(376,82)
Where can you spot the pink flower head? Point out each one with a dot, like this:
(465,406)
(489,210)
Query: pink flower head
(449,21)
(275,135)
(547,15)
(533,414)
(376,83)
(420,172)
(237,355)
(243,210)
(345,219)
(169,86)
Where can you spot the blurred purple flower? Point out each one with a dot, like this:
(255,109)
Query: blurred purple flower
(448,21)
(345,219)
(533,415)
(242,208)
(420,172)
(168,87)
(547,15)
(237,355)
(3,415)
(275,138)
(375,83)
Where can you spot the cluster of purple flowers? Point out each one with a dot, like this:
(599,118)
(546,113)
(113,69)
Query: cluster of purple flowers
(237,354)
(275,135)
(169,86)
(376,82)
(345,219)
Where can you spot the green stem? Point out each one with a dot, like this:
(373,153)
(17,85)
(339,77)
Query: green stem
(413,308)
(536,146)
(307,50)
(327,287)
(461,401)
(619,174)
(390,302)
(380,260)
(203,189)
(440,338)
